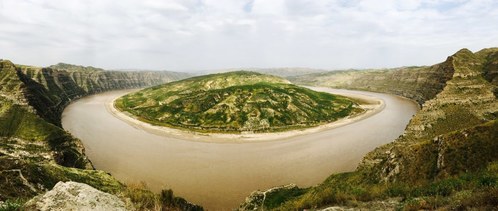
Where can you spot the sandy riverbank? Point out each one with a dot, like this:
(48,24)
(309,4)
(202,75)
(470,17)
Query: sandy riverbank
(371,105)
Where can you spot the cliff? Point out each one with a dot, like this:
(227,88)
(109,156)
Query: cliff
(50,90)
(36,153)
(446,158)
(417,83)
(466,104)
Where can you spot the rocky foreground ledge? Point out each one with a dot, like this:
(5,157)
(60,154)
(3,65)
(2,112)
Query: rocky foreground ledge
(76,196)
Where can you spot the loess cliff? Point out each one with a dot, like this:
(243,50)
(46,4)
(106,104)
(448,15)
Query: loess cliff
(36,153)
(417,83)
(446,159)
(50,90)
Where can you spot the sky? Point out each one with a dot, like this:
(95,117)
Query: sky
(218,34)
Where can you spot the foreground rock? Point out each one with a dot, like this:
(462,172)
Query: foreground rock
(258,199)
(75,196)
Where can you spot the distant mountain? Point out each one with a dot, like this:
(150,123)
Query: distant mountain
(235,102)
(72,67)
(281,72)
(418,83)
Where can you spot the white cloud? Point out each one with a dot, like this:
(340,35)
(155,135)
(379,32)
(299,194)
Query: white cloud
(208,34)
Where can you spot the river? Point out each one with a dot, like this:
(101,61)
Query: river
(218,175)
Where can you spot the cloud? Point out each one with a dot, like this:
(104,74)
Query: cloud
(210,34)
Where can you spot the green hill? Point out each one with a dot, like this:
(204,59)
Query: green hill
(235,102)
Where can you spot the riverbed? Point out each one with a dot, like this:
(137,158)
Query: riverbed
(219,175)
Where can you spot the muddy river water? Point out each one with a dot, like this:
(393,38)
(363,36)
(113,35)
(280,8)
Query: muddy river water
(220,175)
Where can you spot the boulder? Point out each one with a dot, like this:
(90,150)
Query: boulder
(75,196)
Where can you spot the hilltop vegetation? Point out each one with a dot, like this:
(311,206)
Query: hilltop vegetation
(445,159)
(235,102)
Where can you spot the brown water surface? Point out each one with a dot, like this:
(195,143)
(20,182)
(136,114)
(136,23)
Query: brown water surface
(220,175)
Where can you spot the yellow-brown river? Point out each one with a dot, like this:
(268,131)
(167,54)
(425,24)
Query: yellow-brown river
(220,175)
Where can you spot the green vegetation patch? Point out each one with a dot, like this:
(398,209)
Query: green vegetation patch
(477,190)
(235,102)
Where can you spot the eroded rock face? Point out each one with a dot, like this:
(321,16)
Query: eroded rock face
(417,83)
(464,110)
(50,90)
(75,196)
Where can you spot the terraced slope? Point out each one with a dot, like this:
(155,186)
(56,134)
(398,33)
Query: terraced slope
(446,159)
(235,102)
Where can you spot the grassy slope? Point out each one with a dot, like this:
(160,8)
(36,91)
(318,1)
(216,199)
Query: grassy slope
(35,154)
(446,158)
(235,102)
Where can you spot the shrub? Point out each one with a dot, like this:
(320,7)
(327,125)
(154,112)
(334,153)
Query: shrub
(11,205)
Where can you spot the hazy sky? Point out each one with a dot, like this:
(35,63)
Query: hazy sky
(211,34)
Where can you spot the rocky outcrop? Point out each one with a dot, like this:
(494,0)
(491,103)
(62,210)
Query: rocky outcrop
(257,199)
(75,196)
(385,205)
